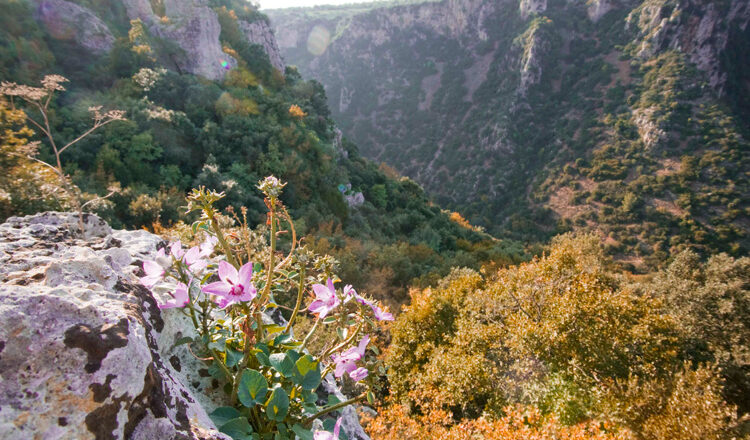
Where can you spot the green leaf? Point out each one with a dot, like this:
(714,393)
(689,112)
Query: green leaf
(277,405)
(282,339)
(233,357)
(224,414)
(253,388)
(294,355)
(310,408)
(216,371)
(333,400)
(262,354)
(183,340)
(329,424)
(307,373)
(263,359)
(302,433)
(282,363)
(329,320)
(273,328)
(305,364)
(219,345)
(309,396)
(238,429)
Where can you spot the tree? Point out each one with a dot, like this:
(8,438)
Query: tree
(39,99)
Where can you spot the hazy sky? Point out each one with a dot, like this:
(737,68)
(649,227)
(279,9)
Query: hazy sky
(274,4)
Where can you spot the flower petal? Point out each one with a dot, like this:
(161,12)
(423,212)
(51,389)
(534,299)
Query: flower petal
(380,314)
(219,288)
(245,275)
(192,255)
(336,428)
(359,374)
(228,273)
(152,268)
(321,292)
(176,250)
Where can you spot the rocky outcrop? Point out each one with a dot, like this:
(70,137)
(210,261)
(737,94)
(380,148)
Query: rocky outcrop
(191,25)
(699,29)
(596,9)
(528,7)
(80,353)
(68,21)
(259,32)
(534,51)
(194,27)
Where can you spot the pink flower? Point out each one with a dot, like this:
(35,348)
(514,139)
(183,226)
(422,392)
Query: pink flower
(207,247)
(325,299)
(176,250)
(234,286)
(154,273)
(194,261)
(180,298)
(346,362)
(380,314)
(325,435)
(359,374)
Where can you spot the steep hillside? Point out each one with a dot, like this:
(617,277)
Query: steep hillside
(207,103)
(626,117)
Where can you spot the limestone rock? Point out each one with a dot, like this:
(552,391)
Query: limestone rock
(350,420)
(596,9)
(259,32)
(79,346)
(699,29)
(68,21)
(528,7)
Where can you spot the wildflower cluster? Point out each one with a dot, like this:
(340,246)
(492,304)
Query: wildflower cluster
(270,376)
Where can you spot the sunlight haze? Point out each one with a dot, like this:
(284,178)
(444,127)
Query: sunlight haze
(277,4)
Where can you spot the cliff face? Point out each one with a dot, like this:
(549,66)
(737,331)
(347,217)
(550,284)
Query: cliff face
(700,29)
(484,102)
(191,25)
(68,21)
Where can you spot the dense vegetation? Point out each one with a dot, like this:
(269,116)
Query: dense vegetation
(565,341)
(554,122)
(184,131)
(566,346)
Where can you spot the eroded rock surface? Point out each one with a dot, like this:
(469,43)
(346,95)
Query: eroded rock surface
(84,350)
(68,21)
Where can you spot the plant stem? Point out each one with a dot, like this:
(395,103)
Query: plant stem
(270,268)
(300,292)
(220,236)
(343,344)
(339,405)
(309,335)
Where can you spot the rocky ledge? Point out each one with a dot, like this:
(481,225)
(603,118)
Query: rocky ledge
(84,351)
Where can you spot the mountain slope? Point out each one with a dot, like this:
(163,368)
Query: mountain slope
(626,117)
(207,104)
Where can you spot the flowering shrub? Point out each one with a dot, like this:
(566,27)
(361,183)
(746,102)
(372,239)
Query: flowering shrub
(271,376)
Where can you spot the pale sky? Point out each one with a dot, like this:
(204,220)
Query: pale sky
(277,4)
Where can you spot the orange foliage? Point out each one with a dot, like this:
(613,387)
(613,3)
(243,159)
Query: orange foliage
(458,218)
(519,423)
(296,112)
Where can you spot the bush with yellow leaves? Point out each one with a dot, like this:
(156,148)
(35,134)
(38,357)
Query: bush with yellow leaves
(559,334)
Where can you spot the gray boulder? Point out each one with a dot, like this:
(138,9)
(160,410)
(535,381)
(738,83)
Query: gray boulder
(80,354)
(68,21)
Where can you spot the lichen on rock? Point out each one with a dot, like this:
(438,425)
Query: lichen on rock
(79,353)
